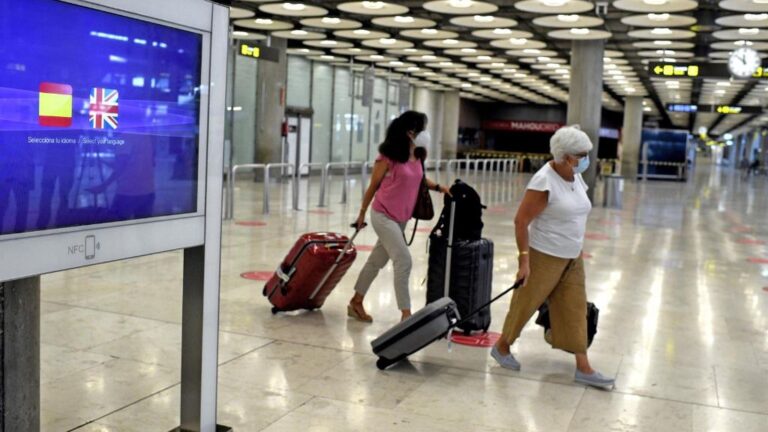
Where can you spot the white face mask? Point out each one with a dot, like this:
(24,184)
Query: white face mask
(423,139)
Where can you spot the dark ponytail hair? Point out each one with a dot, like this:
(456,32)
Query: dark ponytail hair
(397,143)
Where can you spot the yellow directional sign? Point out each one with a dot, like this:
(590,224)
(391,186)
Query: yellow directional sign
(725,109)
(675,70)
(250,51)
(698,70)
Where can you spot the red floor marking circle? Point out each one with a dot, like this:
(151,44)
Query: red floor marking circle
(496,210)
(424,230)
(586,255)
(765,289)
(758,260)
(251,223)
(363,248)
(320,212)
(257,275)
(596,236)
(479,340)
(749,241)
(741,229)
(608,222)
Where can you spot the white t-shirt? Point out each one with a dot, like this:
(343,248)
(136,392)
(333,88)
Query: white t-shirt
(559,229)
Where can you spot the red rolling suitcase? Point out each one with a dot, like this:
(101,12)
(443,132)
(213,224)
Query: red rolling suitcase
(310,271)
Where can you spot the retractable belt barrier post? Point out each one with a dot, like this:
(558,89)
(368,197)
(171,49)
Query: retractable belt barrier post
(309,165)
(346,178)
(326,175)
(452,167)
(230,209)
(364,176)
(294,191)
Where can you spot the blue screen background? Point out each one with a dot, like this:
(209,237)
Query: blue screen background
(664,146)
(53,177)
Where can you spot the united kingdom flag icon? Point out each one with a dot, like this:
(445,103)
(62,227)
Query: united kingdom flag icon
(103,108)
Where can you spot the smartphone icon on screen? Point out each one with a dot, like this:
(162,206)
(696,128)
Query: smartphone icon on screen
(90,247)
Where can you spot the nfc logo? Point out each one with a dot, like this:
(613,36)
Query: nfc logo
(88,248)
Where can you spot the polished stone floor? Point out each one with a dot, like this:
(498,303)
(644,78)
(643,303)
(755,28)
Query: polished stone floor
(683,327)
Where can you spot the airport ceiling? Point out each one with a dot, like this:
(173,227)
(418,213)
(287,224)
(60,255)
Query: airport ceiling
(519,51)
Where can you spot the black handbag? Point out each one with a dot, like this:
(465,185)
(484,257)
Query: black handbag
(424,209)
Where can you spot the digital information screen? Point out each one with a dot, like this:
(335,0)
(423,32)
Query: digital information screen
(99,117)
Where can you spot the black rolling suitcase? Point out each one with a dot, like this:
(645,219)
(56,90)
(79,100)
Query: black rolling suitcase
(461,268)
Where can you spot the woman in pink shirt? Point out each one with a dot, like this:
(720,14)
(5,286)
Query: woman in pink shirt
(394,188)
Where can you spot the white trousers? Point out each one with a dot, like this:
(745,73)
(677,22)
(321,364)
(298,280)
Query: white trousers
(391,245)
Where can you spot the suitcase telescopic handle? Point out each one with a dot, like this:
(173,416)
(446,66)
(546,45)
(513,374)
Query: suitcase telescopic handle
(517,285)
(344,251)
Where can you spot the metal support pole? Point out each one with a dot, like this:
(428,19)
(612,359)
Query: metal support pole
(265,195)
(344,185)
(231,183)
(20,355)
(230,208)
(645,163)
(468,162)
(326,176)
(309,165)
(487,163)
(267,169)
(347,165)
(451,168)
(449,252)
(364,176)
(323,182)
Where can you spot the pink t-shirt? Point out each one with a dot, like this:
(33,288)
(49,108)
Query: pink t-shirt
(398,190)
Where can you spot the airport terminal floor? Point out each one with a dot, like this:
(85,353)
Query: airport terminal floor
(679,275)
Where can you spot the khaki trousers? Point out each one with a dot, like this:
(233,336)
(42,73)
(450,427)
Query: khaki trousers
(561,281)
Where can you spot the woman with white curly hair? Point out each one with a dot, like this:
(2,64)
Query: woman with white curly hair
(549,228)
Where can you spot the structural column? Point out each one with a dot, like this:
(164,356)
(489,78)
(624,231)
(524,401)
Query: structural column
(631,133)
(431,103)
(763,148)
(270,113)
(451,108)
(738,143)
(585,99)
(20,355)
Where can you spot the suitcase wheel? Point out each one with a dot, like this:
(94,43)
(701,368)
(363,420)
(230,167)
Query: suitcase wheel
(275,310)
(383,363)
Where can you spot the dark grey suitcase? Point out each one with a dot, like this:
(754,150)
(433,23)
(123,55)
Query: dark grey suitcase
(429,324)
(469,281)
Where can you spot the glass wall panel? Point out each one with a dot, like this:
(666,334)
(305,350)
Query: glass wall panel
(393,104)
(299,81)
(360,121)
(342,114)
(378,116)
(244,110)
(322,120)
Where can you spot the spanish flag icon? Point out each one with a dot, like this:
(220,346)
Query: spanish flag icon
(55,105)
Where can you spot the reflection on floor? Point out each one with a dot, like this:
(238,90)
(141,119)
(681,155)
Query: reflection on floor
(683,327)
